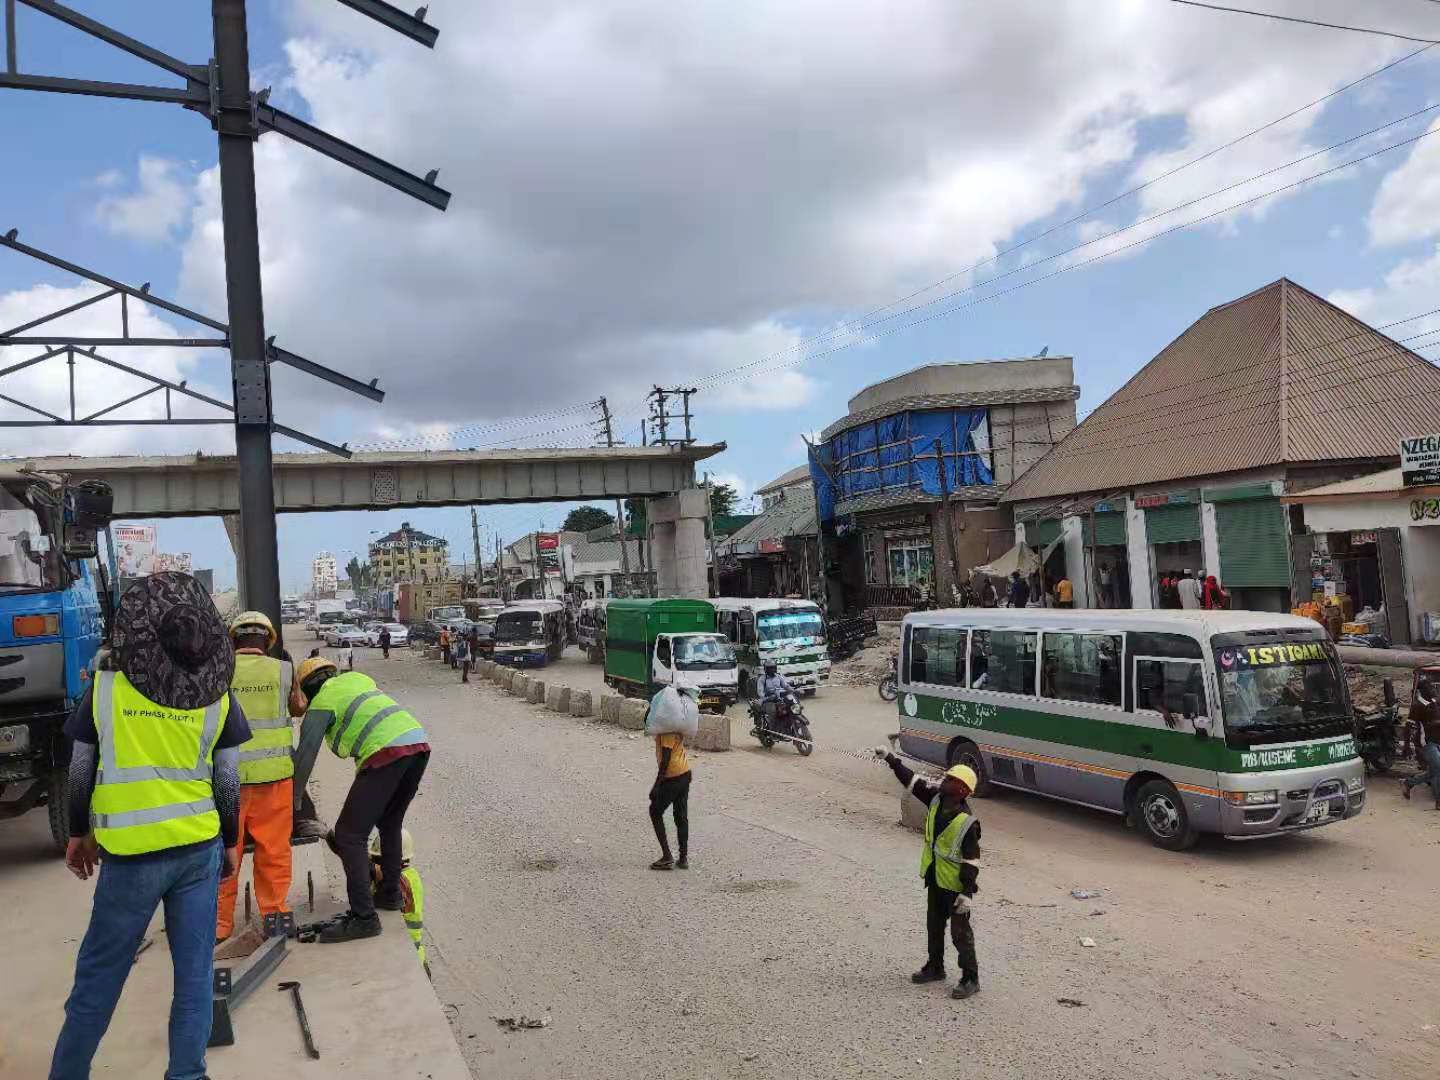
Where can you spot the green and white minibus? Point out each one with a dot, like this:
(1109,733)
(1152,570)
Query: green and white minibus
(789,632)
(1232,722)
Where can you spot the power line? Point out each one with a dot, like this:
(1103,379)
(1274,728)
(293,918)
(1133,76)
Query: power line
(1307,22)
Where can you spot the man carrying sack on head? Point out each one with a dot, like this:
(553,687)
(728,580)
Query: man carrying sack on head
(155,762)
(267,691)
(390,751)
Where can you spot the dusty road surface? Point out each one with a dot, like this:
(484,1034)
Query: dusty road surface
(786,949)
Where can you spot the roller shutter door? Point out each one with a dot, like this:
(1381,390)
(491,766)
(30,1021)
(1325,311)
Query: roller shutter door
(1254,544)
(1172,524)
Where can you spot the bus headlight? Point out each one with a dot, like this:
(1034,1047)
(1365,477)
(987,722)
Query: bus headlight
(1355,785)
(1251,798)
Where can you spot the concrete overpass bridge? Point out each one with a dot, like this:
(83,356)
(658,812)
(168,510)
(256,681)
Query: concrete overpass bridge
(204,485)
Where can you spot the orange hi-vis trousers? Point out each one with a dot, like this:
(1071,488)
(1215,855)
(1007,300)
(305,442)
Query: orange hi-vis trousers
(265,813)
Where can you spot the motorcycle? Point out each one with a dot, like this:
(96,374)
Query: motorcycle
(1377,733)
(889,680)
(789,724)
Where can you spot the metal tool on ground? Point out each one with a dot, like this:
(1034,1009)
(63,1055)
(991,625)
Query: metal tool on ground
(294,988)
(234,984)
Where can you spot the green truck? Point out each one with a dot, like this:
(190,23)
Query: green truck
(654,643)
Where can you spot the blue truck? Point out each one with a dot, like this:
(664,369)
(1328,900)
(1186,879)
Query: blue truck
(55,604)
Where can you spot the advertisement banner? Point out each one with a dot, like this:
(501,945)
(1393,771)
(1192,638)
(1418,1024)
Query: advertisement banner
(134,549)
(1420,461)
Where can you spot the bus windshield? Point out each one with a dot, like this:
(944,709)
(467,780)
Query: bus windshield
(518,626)
(789,627)
(1280,691)
(708,653)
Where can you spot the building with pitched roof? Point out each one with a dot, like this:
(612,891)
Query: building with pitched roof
(1184,467)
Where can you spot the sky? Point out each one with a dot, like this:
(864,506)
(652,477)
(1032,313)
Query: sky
(776,201)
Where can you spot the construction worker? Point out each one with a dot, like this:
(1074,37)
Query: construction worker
(267,691)
(155,749)
(412,891)
(390,751)
(950,866)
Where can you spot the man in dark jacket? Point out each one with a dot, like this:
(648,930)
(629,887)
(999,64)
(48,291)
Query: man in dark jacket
(950,867)
(1019,591)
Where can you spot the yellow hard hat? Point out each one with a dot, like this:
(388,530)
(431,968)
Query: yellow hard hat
(407,845)
(253,620)
(965,774)
(312,664)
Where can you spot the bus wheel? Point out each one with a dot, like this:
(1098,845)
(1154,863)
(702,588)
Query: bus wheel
(1161,813)
(967,753)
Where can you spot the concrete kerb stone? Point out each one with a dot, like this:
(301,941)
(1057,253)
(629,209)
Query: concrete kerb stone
(504,676)
(557,698)
(486,668)
(582,703)
(714,732)
(535,691)
(520,684)
(632,714)
(912,812)
(610,708)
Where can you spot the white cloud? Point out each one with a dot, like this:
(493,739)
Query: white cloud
(156,209)
(1410,288)
(648,192)
(1407,206)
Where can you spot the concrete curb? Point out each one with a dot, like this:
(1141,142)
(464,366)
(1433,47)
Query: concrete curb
(714,732)
(582,703)
(535,691)
(632,713)
(557,698)
(912,812)
(504,677)
(520,684)
(610,708)
(486,668)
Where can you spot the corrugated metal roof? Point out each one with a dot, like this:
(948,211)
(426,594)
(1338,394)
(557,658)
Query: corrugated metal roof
(1384,482)
(1279,375)
(793,515)
(794,476)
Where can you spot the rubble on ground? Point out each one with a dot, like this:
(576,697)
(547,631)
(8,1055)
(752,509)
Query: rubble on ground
(1367,687)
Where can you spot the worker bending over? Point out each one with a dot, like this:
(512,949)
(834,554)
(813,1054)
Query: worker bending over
(412,891)
(390,751)
(266,690)
(950,866)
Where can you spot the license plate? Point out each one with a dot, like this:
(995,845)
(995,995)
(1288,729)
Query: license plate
(1320,811)
(709,700)
(14,739)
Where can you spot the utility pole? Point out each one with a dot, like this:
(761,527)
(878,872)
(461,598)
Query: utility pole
(609,433)
(475,537)
(250,369)
(949,527)
(710,527)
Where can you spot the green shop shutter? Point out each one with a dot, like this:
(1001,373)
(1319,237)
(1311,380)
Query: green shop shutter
(1254,544)
(1172,524)
(1042,532)
(1109,530)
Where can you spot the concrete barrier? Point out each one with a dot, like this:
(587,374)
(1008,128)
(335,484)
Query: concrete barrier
(912,812)
(610,708)
(714,732)
(504,676)
(632,714)
(520,684)
(557,698)
(486,668)
(535,691)
(582,703)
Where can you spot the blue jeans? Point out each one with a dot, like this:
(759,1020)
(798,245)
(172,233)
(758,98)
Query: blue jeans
(126,895)
(1430,754)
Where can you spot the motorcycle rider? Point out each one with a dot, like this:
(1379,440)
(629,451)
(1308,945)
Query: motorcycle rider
(773,688)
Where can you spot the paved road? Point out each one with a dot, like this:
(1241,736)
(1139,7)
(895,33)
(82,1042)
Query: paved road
(786,949)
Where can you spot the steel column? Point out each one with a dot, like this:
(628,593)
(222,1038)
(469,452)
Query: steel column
(249,370)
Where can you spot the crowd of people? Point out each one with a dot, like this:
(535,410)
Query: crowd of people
(181,751)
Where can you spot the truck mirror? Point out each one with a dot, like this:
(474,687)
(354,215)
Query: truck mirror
(1192,706)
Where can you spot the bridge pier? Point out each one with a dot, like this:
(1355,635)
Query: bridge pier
(677,543)
(232,530)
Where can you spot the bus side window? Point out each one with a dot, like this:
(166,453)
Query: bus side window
(1162,686)
(919,653)
(979,659)
(903,668)
(662,651)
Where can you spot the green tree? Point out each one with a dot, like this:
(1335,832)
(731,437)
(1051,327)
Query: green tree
(585,518)
(722,499)
(358,573)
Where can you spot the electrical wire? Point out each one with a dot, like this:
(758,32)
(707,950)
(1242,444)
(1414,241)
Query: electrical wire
(1307,22)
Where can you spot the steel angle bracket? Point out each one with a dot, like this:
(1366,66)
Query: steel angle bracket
(234,984)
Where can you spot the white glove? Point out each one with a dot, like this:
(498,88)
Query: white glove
(882,752)
(962,904)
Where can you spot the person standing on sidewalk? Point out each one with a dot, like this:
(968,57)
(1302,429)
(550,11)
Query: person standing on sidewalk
(1425,711)
(445,646)
(155,761)
(385,642)
(267,691)
(390,751)
(461,653)
(950,867)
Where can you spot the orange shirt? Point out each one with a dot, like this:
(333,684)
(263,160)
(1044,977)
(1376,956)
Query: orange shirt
(1064,591)
(675,743)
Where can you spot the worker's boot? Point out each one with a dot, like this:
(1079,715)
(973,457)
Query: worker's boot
(390,901)
(928,974)
(350,927)
(968,986)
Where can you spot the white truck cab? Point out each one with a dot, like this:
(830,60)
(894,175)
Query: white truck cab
(704,662)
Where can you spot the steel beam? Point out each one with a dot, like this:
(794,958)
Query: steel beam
(60,421)
(59,314)
(33,360)
(412,26)
(89,342)
(11,64)
(31,408)
(120,404)
(114,37)
(319,444)
(292,127)
(330,375)
(193,95)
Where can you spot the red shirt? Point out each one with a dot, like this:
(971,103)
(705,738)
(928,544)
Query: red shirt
(394,753)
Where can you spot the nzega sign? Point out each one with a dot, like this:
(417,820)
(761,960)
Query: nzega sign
(1420,460)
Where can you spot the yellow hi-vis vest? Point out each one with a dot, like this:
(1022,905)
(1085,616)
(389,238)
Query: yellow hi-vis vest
(944,850)
(262,686)
(415,914)
(153,788)
(361,720)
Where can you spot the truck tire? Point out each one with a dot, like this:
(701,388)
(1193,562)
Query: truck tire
(1160,811)
(57,806)
(964,752)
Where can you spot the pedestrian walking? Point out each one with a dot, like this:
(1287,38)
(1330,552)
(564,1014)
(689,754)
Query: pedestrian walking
(1019,594)
(1107,586)
(950,868)
(1064,593)
(462,656)
(265,688)
(347,657)
(1425,711)
(385,642)
(673,712)
(989,596)
(357,720)
(1213,597)
(154,764)
(1187,588)
(445,645)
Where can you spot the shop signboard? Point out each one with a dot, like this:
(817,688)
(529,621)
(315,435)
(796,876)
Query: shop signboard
(547,545)
(772,545)
(1420,460)
(1364,537)
(1171,498)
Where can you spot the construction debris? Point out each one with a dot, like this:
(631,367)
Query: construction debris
(513,1024)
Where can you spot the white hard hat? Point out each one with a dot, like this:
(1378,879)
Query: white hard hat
(407,845)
